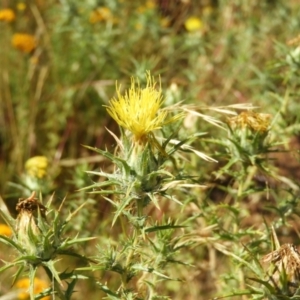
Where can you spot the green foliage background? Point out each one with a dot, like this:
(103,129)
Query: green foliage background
(51,103)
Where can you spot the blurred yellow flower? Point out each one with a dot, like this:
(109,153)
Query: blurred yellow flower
(101,14)
(24,42)
(165,22)
(5,230)
(207,11)
(39,286)
(37,166)
(139,109)
(141,9)
(21,6)
(193,24)
(34,59)
(138,26)
(294,41)
(7,15)
(149,5)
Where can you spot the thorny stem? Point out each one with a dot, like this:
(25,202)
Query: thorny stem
(56,285)
(135,234)
(244,185)
(123,225)
(140,205)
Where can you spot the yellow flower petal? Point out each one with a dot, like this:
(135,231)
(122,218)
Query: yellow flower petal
(5,230)
(39,286)
(138,110)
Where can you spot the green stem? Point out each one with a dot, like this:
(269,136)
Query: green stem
(140,206)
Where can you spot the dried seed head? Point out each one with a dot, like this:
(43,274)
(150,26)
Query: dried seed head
(286,260)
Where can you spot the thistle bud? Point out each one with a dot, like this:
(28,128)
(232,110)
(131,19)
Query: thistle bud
(249,131)
(31,212)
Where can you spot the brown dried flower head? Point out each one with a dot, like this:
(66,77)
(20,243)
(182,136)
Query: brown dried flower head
(285,259)
(30,205)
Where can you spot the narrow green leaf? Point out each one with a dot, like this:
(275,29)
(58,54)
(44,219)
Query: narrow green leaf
(106,290)
(18,273)
(76,241)
(10,265)
(118,161)
(154,200)
(6,240)
(121,207)
(162,227)
(32,273)
(149,270)
(50,265)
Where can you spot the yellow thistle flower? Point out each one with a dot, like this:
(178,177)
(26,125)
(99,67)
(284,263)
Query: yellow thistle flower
(7,15)
(248,119)
(100,14)
(24,42)
(39,286)
(37,166)
(5,230)
(138,110)
(193,24)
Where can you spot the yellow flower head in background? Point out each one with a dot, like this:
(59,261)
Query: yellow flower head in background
(21,6)
(39,286)
(149,5)
(138,110)
(37,166)
(24,42)
(101,14)
(165,22)
(254,121)
(207,11)
(7,15)
(193,24)
(5,230)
